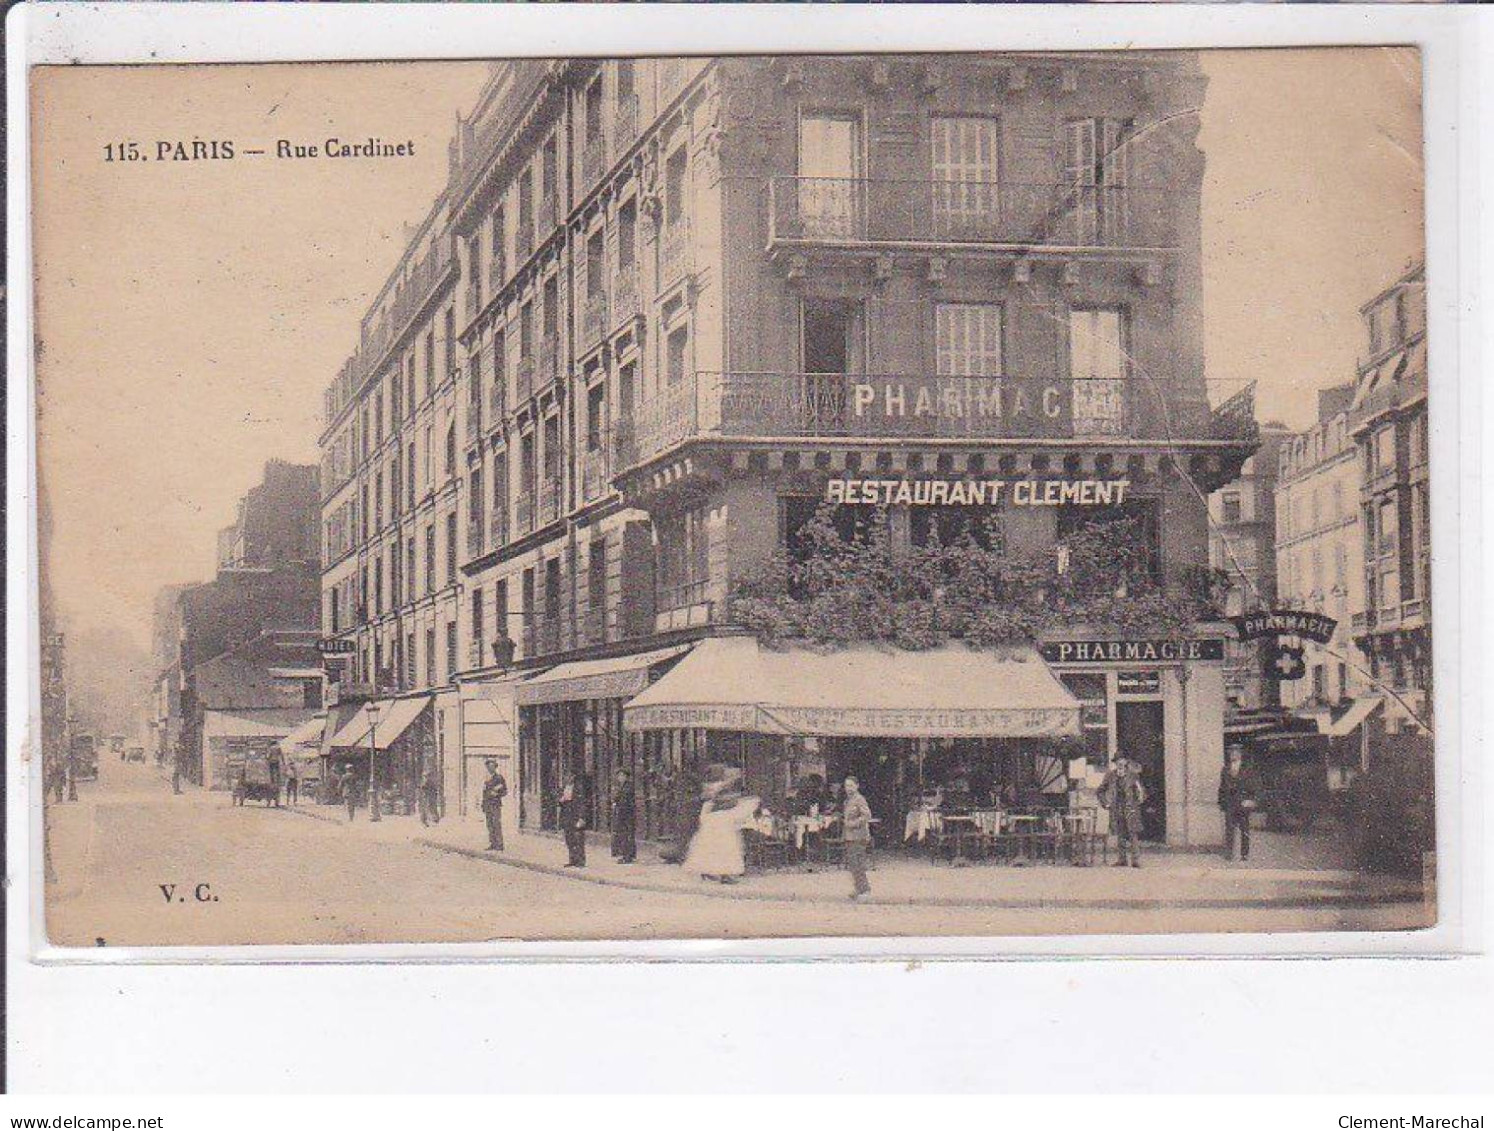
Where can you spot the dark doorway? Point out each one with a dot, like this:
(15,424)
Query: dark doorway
(832,347)
(1139,737)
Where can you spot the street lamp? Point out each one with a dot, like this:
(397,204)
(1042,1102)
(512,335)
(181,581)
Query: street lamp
(373,793)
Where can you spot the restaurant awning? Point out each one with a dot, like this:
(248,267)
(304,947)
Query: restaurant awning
(272,722)
(1353,718)
(392,720)
(616,678)
(733,683)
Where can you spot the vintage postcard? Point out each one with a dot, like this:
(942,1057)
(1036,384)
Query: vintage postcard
(746,497)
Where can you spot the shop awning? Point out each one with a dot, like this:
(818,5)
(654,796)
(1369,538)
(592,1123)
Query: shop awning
(306,739)
(393,719)
(273,722)
(617,678)
(1354,717)
(732,683)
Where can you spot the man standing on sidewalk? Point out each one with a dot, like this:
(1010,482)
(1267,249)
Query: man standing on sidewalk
(624,820)
(856,819)
(1122,794)
(573,823)
(494,790)
(1237,799)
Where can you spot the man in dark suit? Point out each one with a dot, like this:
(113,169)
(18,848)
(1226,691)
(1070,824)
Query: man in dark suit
(1237,799)
(624,820)
(494,790)
(573,823)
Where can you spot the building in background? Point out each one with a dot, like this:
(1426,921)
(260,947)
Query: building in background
(245,640)
(1242,543)
(1320,552)
(1388,420)
(662,303)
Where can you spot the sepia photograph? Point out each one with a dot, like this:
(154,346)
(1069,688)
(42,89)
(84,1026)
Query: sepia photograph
(742,497)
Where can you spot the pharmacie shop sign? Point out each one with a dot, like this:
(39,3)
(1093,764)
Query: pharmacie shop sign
(1131,651)
(978,492)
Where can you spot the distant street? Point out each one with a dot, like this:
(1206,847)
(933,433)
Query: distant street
(278,876)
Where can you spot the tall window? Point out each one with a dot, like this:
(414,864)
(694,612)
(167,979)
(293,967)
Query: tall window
(498,269)
(829,172)
(596,407)
(1097,160)
(552,451)
(1097,367)
(410,575)
(451,648)
(430,362)
(478,649)
(430,656)
(966,203)
(500,610)
(596,264)
(674,188)
(430,559)
(677,348)
(968,339)
(627,237)
(451,548)
(451,449)
(410,476)
(594,111)
(448,348)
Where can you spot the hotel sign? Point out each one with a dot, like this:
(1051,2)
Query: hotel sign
(1131,651)
(332,646)
(978,492)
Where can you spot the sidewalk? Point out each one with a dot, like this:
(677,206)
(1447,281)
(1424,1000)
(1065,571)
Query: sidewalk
(1168,879)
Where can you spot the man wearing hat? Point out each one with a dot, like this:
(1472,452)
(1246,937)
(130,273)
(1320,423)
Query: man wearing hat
(494,790)
(1122,794)
(1237,799)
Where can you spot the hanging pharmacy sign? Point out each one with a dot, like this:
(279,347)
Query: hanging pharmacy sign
(978,492)
(1286,622)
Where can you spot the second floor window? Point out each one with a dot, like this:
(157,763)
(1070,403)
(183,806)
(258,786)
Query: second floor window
(677,350)
(1097,160)
(1097,369)
(965,176)
(451,449)
(451,548)
(596,407)
(968,339)
(430,559)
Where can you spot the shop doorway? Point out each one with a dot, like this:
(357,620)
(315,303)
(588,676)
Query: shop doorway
(1139,737)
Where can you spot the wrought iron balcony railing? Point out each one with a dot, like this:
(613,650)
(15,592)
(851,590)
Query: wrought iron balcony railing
(872,406)
(831,210)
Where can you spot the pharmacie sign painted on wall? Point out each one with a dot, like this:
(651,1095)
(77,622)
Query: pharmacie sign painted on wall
(978,492)
(1131,651)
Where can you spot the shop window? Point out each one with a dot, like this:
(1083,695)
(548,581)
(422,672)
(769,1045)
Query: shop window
(1094,713)
(950,525)
(852,522)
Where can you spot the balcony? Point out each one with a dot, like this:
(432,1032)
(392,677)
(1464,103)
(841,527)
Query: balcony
(548,509)
(625,304)
(594,319)
(846,211)
(593,160)
(595,474)
(625,121)
(871,407)
(1414,610)
(524,514)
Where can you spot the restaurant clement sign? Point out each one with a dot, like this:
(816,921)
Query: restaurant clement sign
(978,492)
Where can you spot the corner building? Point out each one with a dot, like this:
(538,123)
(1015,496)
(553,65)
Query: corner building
(693,294)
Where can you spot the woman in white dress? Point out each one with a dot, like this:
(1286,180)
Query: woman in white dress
(716,850)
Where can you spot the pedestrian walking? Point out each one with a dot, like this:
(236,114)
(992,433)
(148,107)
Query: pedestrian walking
(624,820)
(1122,794)
(494,790)
(292,784)
(856,816)
(1237,799)
(573,823)
(430,796)
(349,791)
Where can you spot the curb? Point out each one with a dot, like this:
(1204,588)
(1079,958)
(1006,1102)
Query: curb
(1345,899)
